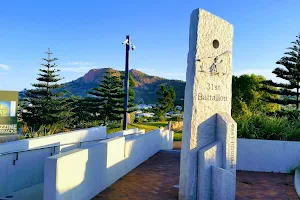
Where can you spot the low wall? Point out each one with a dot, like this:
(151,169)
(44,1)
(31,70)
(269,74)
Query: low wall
(99,166)
(94,133)
(167,141)
(123,133)
(141,147)
(267,155)
(28,168)
(80,173)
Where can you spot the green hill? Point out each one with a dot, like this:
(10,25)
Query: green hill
(145,85)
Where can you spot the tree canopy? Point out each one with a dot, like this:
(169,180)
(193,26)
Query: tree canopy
(44,104)
(109,98)
(290,74)
(248,98)
(165,100)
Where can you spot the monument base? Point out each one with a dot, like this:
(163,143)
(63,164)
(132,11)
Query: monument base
(217,164)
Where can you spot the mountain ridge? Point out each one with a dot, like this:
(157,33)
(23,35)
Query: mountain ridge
(145,85)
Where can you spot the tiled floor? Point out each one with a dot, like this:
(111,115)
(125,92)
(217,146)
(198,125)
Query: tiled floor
(155,179)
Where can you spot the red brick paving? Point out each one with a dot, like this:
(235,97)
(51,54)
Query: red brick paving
(155,180)
(261,185)
(177,145)
(152,180)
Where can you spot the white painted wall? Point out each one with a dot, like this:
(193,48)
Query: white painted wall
(29,168)
(141,147)
(80,173)
(94,133)
(167,141)
(83,173)
(123,133)
(267,155)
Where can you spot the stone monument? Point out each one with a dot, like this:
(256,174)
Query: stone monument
(208,155)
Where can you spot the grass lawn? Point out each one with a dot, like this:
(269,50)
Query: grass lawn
(112,130)
(148,126)
(178,136)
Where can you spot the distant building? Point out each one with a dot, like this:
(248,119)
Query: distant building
(143,106)
(145,115)
(178,107)
(138,112)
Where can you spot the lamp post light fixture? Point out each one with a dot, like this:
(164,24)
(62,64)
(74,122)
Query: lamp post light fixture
(126,79)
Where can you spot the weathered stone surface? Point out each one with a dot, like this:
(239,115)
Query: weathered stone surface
(227,133)
(223,184)
(222,154)
(209,156)
(207,91)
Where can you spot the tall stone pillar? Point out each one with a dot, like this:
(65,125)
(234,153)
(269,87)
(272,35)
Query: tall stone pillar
(206,150)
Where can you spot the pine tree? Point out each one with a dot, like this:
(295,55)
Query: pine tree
(45,105)
(85,109)
(165,100)
(131,93)
(289,92)
(110,97)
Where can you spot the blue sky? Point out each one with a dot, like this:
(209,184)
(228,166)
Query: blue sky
(88,34)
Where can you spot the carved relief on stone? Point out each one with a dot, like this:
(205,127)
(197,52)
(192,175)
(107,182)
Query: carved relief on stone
(214,65)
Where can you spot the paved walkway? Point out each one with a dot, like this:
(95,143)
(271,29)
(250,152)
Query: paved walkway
(155,180)
(152,180)
(261,185)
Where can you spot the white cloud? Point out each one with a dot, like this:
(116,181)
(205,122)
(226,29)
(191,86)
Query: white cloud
(78,69)
(267,73)
(77,66)
(76,63)
(5,67)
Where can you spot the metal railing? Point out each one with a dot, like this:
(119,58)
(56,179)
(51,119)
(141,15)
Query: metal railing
(45,147)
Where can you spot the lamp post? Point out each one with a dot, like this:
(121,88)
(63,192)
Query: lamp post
(126,79)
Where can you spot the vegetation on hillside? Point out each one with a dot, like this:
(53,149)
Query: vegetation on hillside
(144,87)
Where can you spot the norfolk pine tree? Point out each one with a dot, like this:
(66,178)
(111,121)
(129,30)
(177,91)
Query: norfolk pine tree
(289,72)
(110,98)
(45,105)
(165,100)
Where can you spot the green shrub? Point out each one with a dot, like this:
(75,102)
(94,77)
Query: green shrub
(175,119)
(178,136)
(269,128)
